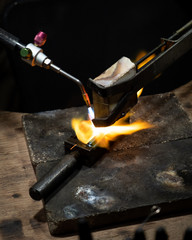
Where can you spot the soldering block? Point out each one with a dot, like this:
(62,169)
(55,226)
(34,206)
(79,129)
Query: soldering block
(150,167)
(113,74)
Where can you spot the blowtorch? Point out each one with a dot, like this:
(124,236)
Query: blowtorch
(33,55)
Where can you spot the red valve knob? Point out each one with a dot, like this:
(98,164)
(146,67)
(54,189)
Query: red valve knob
(40,39)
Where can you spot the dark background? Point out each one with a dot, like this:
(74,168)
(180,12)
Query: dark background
(84,39)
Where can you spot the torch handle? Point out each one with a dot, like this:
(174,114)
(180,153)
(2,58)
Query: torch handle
(10,40)
(57,175)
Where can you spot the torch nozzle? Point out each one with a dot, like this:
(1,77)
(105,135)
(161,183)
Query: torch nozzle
(91,113)
(86,98)
(33,54)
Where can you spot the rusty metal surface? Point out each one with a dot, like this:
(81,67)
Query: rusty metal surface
(150,167)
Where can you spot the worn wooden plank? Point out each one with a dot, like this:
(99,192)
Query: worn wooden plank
(23,218)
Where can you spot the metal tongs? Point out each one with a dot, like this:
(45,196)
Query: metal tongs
(169,51)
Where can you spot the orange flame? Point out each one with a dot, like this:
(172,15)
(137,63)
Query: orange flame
(139,92)
(86,131)
(142,54)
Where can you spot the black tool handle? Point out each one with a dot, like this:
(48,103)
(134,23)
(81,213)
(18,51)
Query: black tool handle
(53,179)
(10,40)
